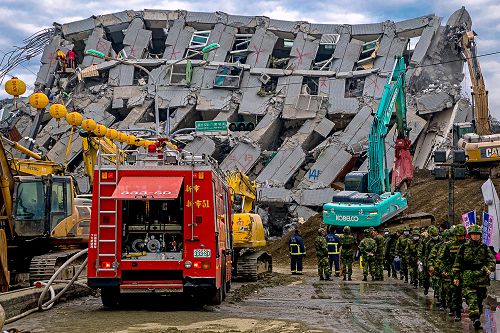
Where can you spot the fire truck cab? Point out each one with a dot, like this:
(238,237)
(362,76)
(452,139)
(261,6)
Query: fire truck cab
(160,223)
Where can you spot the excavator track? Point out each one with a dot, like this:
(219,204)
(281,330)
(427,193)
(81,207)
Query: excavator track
(251,266)
(44,266)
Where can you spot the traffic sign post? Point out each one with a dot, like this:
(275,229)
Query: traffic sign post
(211,127)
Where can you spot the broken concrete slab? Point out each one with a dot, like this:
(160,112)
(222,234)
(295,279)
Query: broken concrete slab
(273,195)
(242,157)
(284,164)
(201,145)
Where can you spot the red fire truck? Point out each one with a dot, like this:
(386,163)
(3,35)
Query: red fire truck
(161,223)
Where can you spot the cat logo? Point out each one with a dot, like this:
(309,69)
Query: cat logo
(490,152)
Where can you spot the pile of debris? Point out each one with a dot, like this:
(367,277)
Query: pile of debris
(309,89)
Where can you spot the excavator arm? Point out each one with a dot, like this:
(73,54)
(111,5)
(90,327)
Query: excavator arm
(241,185)
(91,145)
(479,92)
(7,187)
(392,97)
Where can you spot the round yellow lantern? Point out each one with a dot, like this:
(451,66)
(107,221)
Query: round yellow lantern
(58,111)
(122,137)
(38,100)
(89,125)
(111,133)
(131,139)
(15,87)
(100,130)
(74,118)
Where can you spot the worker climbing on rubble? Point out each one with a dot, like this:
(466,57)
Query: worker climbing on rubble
(473,265)
(71,59)
(411,257)
(447,259)
(61,58)
(424,255)
(297,252)
(322,255)
(333,243)
(368,248)
(347,245)
(390,252)
(379,255)
(400,252)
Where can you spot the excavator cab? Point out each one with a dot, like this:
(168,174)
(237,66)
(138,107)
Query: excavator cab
(40,204)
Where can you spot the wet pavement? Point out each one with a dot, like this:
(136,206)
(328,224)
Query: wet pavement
(281,304)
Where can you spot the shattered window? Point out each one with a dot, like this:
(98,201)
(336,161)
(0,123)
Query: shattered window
(199,39)
(368,54)
(180,74)
(354,87)
(240,49)
(228,76)
(310,86)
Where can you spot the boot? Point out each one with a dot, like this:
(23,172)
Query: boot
(477,324)
(426,291)
(337,274)
(451,313)
(349,278)
(345,278)
(364,278)
(321,278)
(402,276)
(373,278)
(406,279)
(458,315)
(394,275)
(327,278)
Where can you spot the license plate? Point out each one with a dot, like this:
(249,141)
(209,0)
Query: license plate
(201,253)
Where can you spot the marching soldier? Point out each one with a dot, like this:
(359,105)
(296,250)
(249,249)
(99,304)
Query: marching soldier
(379,255)
(390,252)
(473,265)
(400,251)
(448,256)
(432,240)
(411,257)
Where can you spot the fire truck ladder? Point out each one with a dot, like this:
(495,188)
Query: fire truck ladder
(101,226)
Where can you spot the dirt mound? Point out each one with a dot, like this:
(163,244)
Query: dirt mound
(431,196)
(308,230)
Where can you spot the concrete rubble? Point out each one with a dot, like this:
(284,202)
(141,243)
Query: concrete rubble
(310,90)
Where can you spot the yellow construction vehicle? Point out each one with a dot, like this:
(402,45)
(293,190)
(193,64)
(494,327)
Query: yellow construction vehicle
(41,217)
(91,145)
(482,147)
(248,230)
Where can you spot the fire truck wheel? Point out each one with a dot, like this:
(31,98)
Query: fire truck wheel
(216,298)
(110,297)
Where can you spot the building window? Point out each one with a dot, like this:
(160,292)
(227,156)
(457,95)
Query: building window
(180,74)
(240,50)
(324,56)
(228,76)
(198,41)
(354,87)
(281,53)
(269,84)
(368,54)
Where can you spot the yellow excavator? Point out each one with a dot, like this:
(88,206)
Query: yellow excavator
(42,220)
(482,147)
(249,263)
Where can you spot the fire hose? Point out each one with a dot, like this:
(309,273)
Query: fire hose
(48,287)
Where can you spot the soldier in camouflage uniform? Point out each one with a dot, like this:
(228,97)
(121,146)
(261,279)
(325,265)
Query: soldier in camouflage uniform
(379,255)
(424,238)
(473,265)
(400,251)
(411,257)
(368,248)
(434,272)
(347,245)
(322,255)
(433,239)
(445,275)
(390,252)
(446,262)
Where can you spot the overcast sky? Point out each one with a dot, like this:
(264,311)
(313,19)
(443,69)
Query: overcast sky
(23,18)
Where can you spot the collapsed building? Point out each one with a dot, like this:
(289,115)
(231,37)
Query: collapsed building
(310,90)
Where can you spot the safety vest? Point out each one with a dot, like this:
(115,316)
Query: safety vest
(333,246)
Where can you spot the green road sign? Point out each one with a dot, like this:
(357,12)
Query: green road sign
(211,126)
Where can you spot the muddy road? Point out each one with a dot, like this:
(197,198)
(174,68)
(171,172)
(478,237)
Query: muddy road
(281,303)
